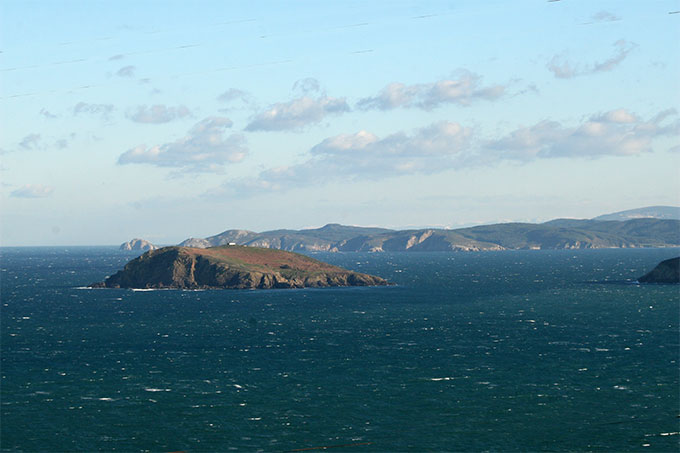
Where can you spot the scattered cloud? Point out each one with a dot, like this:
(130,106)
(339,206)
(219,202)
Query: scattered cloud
(234,96)
(31,141)
(617,132)
(32,191)
(66,141)
(103,110)
(564,69)
(126,71)
(116,57)
(448,145)
(364,155)
(298,113)
(203,149)
(157,114)
(463,89)
(604,16)
(47,114)
(306,86)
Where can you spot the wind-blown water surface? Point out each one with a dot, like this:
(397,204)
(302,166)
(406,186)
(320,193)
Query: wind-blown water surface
(530,351)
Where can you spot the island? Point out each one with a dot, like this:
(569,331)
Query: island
(137,244)
(667,271)
(231,267)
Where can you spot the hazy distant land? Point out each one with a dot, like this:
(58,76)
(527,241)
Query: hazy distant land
(656,226)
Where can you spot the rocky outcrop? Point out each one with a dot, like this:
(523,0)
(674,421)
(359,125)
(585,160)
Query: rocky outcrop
(137,244)
(667,271)
(199,243)
(232,267)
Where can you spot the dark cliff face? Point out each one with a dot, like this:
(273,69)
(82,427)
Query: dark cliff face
(667,271)
(232,267)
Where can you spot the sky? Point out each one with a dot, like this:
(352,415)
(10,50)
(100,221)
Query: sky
(172,119)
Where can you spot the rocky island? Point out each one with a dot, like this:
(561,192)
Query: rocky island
(231,267)
(667,271)
(137,244)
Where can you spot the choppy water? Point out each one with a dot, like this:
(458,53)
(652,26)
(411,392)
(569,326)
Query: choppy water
(507,351)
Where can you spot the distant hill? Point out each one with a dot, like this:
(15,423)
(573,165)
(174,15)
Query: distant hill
(650,212)
(318,239)
(556,234)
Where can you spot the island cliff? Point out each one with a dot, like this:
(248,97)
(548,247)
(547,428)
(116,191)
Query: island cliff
(232,267)
(667,271)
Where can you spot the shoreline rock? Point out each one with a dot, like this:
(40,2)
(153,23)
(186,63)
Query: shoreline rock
(667,271)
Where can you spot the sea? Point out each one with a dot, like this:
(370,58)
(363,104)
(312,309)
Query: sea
(482,351)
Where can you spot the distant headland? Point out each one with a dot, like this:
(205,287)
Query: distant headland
(231,267)
(654,226)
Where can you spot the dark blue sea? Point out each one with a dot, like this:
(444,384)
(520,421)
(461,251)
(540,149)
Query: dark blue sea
(492,351)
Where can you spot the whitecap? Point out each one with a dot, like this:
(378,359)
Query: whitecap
(156,390)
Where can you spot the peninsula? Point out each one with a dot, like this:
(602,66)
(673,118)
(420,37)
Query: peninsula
(231,267)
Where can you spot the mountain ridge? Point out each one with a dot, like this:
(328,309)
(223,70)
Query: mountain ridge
(555,234)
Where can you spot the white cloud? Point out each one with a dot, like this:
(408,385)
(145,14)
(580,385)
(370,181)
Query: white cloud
(204,149)
(463,89)
(447,146)
(157,114)
(564,69)
(296,114)
(32,191)
(617,132)
(364,155)
(103,110)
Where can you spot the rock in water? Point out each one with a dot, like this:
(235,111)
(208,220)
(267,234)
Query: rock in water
(137,244)
(667,271)
(232,267)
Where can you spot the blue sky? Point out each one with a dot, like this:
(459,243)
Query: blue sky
(165,120)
